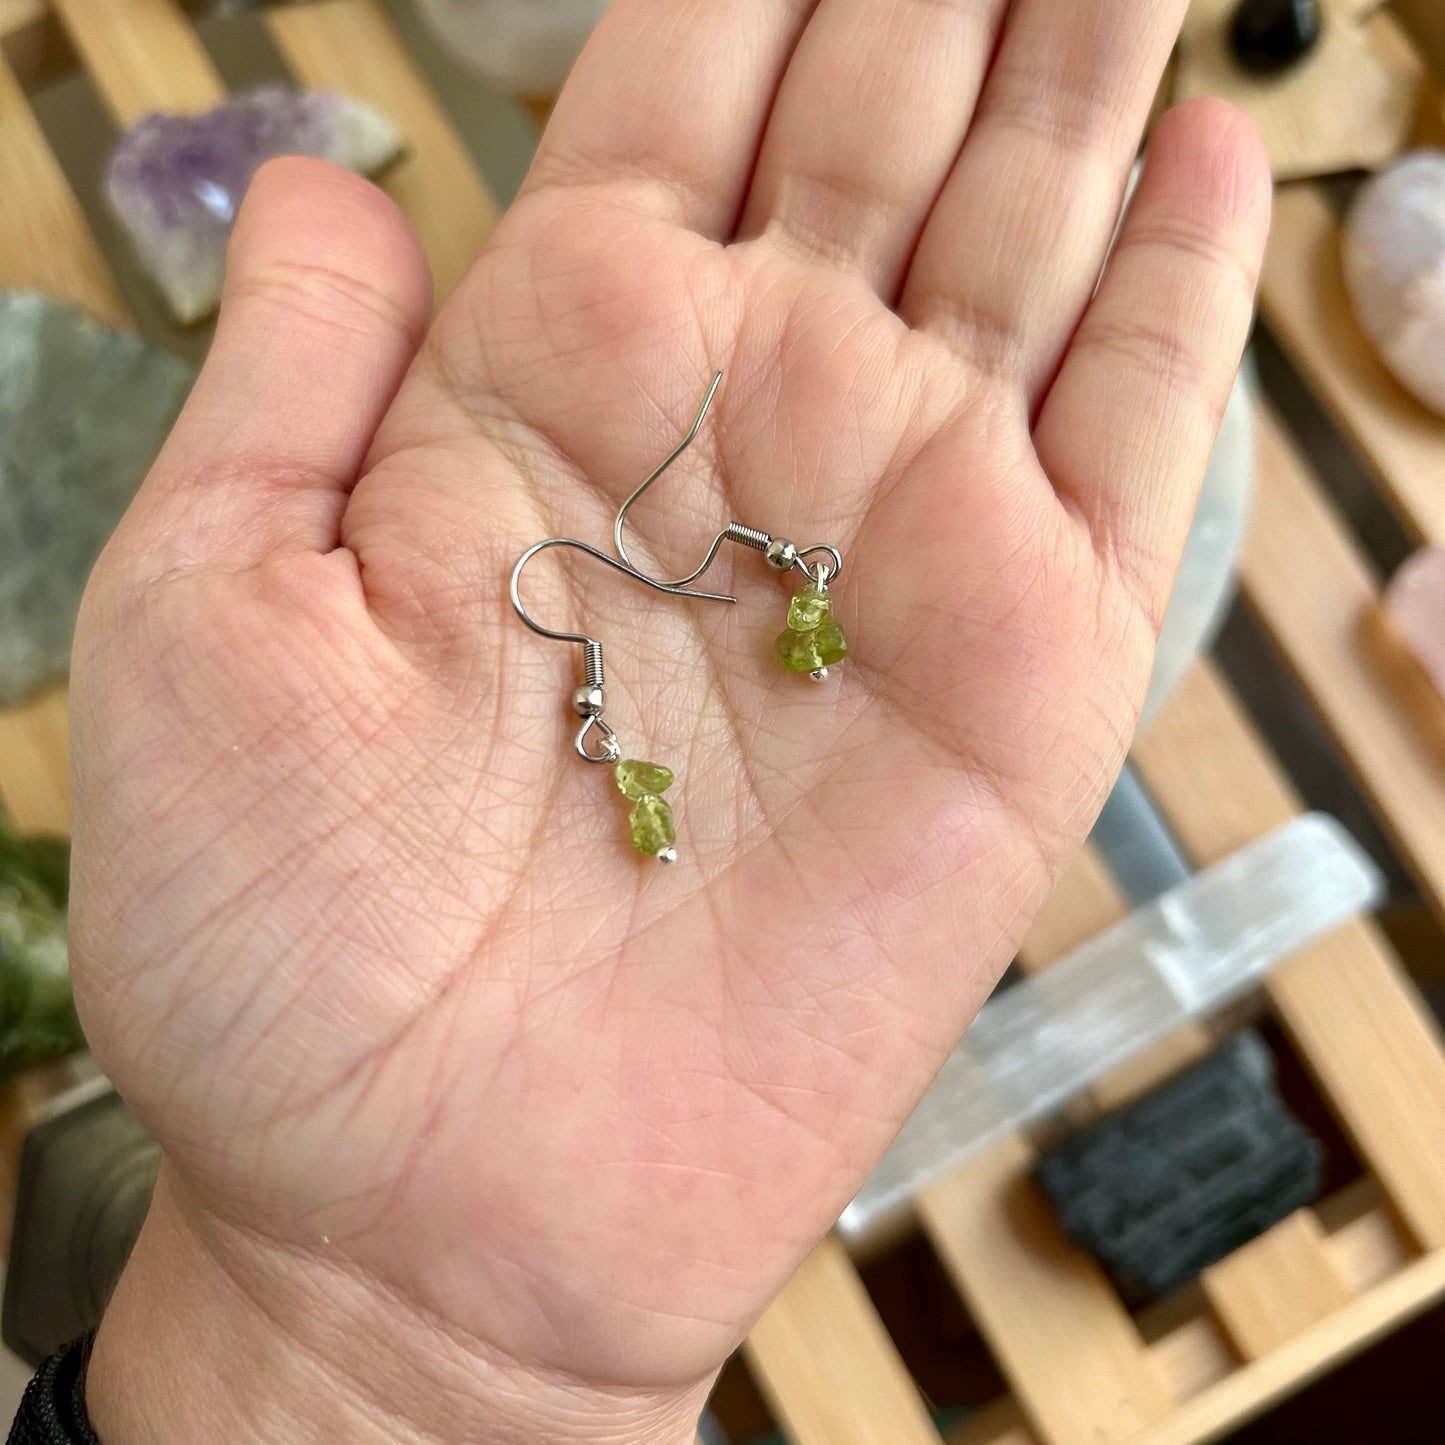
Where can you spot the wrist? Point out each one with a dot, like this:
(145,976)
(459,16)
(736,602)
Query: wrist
(212,1335)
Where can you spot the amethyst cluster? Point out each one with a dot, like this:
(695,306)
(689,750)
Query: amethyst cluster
(176,181)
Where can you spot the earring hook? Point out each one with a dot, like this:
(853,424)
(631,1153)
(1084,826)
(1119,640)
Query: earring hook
(618,525)
(589,699)
(781,554)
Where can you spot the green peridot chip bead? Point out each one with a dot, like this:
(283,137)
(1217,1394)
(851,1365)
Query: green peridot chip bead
(652,827)
(640,780)
(832,645)
(797,652)
(811,651)
(809,609)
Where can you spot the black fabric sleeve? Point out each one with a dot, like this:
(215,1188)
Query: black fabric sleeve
(53,1410)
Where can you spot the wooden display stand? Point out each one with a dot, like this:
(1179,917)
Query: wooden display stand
(1079,1368)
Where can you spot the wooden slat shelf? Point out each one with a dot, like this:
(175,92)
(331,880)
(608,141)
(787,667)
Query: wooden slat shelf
(47,248)
(1302,298)
(1080,1368)
(1244,1290)
(350,46)
(1318,597)
(142,55)
(1356,1020)
(827,1365)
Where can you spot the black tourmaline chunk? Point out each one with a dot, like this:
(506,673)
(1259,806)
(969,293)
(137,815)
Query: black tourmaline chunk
(1185,1175)
(1270,35)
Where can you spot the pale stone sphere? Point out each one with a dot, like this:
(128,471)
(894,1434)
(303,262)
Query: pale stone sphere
(1394,250)
(524,47)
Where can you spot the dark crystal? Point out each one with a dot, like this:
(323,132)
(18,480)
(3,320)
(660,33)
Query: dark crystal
(1182,1177)
(1271,35)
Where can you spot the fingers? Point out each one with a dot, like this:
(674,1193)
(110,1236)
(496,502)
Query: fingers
(666,105)
(866,126)
(1013,248)
(1126,429)
(327,297)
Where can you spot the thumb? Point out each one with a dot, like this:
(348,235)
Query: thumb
(327,298)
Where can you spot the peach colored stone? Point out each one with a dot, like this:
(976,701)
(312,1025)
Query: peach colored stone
(1415,600)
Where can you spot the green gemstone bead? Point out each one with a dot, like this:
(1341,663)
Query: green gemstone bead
(810,651)
(652,827)
(809,609)
(832,645)
(797,651)
(642,780)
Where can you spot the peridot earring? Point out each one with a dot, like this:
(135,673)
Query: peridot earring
(813,641)
(642,784)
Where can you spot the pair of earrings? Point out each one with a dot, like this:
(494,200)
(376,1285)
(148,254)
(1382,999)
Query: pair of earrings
(812,642)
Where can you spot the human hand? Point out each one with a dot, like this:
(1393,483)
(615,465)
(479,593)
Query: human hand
(478,1126)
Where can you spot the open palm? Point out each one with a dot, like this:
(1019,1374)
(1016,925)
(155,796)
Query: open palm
(359,936)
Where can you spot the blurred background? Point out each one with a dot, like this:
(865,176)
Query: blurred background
(1186,1179)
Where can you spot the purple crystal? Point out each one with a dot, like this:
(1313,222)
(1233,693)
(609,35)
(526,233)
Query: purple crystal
(176,182)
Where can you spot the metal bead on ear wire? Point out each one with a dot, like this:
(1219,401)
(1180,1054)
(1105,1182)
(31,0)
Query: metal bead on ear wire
(813,641)
(643,784)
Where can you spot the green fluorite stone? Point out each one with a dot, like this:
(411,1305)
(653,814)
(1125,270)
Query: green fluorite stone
(809,609)
(652,827)
(642,780)
(810,651)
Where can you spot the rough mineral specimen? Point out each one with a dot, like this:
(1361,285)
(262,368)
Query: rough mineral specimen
(1394,248)
(1415,601)
(176,182)
(1170,1184)
(83,411)
(37,1014)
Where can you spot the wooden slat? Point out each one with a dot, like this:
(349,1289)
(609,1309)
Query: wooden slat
(44,246)
(1369,1250)
(17,14)
(1302,297)
(350,45)
(827,1366)
(1193,1356)
(143,56)
(1072,1355)
(1317,596)
(1356,1019)
(1257,1385)
(1275,1287)
(1196,1356)
(35,762)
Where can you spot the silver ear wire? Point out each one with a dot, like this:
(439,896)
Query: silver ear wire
(779,553)
(590,700)
(653,830)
